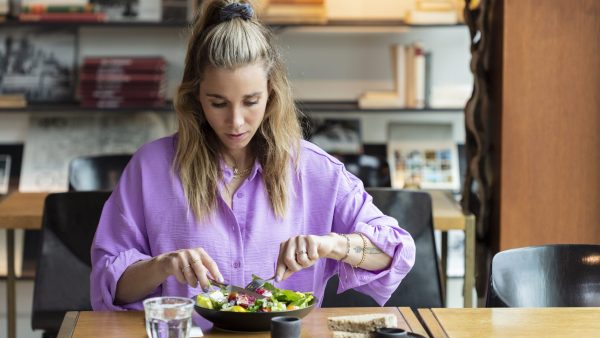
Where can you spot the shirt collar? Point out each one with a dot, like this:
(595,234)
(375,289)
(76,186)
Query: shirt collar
(228,171)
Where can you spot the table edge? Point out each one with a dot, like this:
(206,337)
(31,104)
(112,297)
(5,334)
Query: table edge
(413,322)
(432,324)
(68,324)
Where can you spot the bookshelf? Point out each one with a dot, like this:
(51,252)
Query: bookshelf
(306,107)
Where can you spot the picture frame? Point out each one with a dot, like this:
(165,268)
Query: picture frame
(4,173)
(428,165)
(337,136)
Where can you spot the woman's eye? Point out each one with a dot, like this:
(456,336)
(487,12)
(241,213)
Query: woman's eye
(219,105)
(251,103)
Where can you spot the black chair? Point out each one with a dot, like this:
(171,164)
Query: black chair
(369,169)
(560,275)
(100,172)
(422,287)
(62,276)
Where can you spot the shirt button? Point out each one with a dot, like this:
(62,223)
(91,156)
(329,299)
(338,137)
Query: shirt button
(240,194)
(237,265)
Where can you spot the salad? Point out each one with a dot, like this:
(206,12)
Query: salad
(276,300)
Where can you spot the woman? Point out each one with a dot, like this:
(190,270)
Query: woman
(236,191)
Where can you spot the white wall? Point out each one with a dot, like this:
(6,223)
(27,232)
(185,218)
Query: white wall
(324,63)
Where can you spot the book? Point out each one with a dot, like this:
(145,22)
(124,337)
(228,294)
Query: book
(43,8)
(124,93)
(129,78)
(435,5)
(292,13)
(54,2)
(380,100)
(63,17)
(419,68)
(398,67)
(124,61)
(123,103)
(12,101)
(417,17)
(409,71)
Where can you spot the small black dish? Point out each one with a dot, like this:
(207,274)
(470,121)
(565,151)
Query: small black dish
(285,327)
(393,332)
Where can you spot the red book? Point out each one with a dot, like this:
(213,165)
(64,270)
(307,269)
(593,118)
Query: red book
(123,103)
(121,78)
(63,17)
(131,69)
(124,93)
(121,86)
(123,61)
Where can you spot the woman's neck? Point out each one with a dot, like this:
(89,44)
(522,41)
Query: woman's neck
(240,160)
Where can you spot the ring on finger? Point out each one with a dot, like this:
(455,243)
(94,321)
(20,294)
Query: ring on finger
(195,261)
(301,252)
(187,267)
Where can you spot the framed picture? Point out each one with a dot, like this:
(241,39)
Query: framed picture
(336,136)
(4,173)
(424,165)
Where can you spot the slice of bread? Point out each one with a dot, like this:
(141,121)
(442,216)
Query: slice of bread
(342,334)
(362,323)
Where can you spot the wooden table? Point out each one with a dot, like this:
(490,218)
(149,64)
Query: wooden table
(17,211)
(448,215)
(512,322)
(24,211)
(131,324)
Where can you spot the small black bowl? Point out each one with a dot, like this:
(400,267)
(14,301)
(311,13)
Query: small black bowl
(392,332)
(248,321)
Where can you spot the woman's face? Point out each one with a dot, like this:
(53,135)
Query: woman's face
(234,103)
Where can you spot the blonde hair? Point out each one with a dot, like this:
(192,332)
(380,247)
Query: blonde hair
(231,44)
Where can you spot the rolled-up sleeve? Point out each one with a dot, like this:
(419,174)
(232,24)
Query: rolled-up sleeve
(355,212)
(120,241)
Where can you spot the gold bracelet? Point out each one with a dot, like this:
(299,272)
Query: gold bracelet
(364,250)
(347,247)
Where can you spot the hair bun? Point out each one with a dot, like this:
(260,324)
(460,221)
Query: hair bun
(236,10)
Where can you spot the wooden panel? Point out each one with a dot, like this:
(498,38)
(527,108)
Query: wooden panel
(550,156)
(519,322)
(22,210)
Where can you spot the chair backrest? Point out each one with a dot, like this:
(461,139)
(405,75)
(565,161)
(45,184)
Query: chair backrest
(100,172)
(556,275)
(422,287)
(62,277)
(369,169)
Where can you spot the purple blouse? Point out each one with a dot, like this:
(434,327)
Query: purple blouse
(147,215)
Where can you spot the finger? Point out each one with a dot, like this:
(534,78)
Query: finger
(190,277)
(301,253)
(211,266)
(312,248)
(281,268)
(289,258)
(186,268)
(175,269)
(198,270)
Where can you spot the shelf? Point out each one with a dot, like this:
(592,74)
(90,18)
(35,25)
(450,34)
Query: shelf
(307,107)
(181,24)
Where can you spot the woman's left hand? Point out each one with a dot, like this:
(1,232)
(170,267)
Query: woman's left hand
(301,252)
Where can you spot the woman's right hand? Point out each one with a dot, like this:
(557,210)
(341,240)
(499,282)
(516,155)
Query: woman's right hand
(190,266)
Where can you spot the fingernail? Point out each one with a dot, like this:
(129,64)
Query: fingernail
(205,289)
(221,280)
(278,279)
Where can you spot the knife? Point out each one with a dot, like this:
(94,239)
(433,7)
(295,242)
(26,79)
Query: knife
(238,289)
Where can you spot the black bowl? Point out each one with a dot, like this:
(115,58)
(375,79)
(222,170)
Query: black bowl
(248,321)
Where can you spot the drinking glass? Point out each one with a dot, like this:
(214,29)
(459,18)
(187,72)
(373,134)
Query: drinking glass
(168,317)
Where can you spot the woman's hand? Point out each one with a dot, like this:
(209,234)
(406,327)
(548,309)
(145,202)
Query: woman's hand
(190,266)
(301,252)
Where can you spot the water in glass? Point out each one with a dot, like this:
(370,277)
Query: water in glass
(168,317)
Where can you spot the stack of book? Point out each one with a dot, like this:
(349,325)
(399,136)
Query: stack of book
(3,9)
(410,64)
(295,12)
(433,12)
(59,11)
(123,82)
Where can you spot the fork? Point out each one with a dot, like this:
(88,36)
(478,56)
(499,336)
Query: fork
(258,283)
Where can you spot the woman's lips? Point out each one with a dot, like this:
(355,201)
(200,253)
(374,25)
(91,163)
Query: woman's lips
(236,137)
